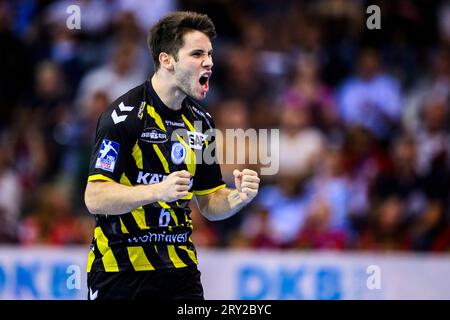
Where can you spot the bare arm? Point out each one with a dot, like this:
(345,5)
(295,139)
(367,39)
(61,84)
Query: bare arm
(105,197)
(224,203)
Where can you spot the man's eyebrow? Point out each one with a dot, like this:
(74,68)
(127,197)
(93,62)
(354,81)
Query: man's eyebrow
(201,51)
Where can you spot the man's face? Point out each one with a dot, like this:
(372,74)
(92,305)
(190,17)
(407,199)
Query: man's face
(193,68)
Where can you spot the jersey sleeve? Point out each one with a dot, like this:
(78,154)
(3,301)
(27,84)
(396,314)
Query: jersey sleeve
(208,176)
(114,139)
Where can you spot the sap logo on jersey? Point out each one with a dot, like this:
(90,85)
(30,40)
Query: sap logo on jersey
(178,153)
(154,135)
(196,140)
(107,156)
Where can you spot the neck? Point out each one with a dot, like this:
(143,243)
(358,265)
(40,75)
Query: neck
(167,91)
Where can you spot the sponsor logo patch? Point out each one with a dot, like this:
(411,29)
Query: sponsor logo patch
(154,135)
(178,153)
(196,140)
(156,237)
(107,156)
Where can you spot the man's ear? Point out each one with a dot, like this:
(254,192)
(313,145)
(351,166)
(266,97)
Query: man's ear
(166,61)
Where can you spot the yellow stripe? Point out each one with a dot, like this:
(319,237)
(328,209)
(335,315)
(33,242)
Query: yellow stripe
(152,112)
(137,155)
(208,191)
(91,258)
(122,226)
(139,259)
(161,158)
(189,160)
(188,197)
(124,180)
(175,258)
(139,216)
(190,253)
(95,177)
(109,261)
(190,126)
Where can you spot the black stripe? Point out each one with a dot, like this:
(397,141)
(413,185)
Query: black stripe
(164,254)
(154,257)
(152,216)
(130,223)
(114,233)
(184,256)
(97,264)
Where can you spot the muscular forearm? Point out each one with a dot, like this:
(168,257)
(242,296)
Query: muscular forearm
(222,204)
(112,198)
(104,197)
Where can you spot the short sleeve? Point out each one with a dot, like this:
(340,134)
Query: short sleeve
(208,176)
(114,140)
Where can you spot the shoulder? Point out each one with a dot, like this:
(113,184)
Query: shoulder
(125,110)
(123,113)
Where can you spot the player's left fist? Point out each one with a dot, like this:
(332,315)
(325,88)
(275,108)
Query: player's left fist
(247,184)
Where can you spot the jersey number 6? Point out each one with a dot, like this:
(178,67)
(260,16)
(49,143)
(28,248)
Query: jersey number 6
(164,218)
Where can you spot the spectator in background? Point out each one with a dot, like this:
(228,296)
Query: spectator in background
(81,133)
(401,178)
(308,91)
(52,110)
(147,13)
(118,75)
(52,221)
(372,98)
(364,160)
(281,213)
(387,230)
(300,143)
(317,232)
(327,225)
(430,88)
(428,230)
(242,78)
(10,195)
(433,138)
(28,146)
(15,65)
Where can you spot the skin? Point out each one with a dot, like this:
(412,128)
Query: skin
(173,81)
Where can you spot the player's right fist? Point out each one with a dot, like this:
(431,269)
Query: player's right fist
(174,187)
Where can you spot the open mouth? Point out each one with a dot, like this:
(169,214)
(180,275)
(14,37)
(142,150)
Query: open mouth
(204,81)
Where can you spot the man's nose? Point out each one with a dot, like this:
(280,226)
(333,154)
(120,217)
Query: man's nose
(208,62)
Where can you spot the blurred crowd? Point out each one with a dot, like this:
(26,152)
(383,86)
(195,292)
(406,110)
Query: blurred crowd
(364,117)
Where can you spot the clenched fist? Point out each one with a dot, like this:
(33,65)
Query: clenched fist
(247,184)
(175,186)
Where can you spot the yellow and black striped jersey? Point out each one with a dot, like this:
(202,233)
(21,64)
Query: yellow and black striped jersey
(141,141)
